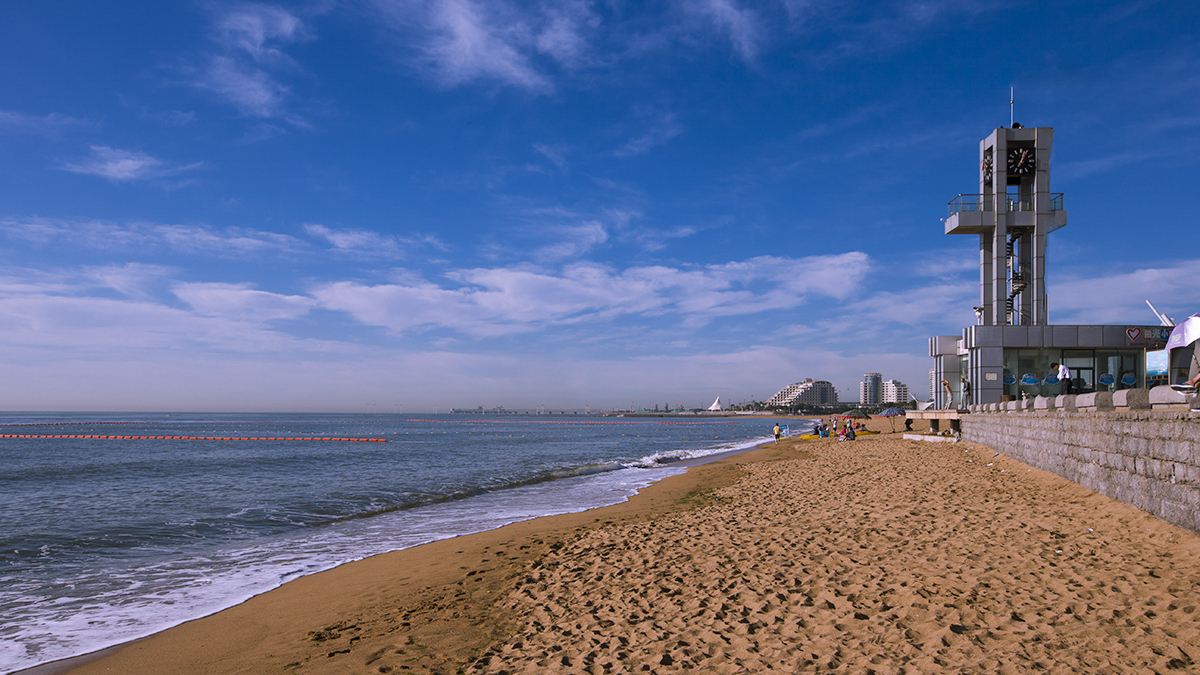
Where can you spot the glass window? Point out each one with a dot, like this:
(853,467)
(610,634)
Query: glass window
(1082,364)
(1117,370)
(1025,371)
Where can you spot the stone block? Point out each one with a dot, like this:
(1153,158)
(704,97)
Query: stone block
(1099,400)
(1043,403)
(1165,397)
(1136,399)
(1064,402)
(1181,450)
(1012,406)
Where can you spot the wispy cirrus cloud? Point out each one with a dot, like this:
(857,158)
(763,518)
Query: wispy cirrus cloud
(460,42)
(554,153)
(250,41)
(368,243)
(572,241)
(740,25)
(250,89)
(125,166)
(109,235)
(656,129)
(49,124)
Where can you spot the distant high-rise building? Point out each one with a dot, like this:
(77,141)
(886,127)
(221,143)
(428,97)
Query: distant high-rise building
(894,391)
(808,392)
(870,390)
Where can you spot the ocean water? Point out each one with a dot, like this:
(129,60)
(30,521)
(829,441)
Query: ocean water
(104,541)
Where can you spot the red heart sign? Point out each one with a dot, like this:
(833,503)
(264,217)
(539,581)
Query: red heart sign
(1133,334)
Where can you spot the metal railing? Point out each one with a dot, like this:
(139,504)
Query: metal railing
(977,202)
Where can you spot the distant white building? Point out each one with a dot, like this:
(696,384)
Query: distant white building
(808,392)
(870,390)
(894,391)
(716,405)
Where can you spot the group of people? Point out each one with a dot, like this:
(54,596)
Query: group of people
(965,396)
(843,431)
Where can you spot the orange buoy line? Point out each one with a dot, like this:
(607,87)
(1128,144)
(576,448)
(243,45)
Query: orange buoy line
(58,424)
(107,437)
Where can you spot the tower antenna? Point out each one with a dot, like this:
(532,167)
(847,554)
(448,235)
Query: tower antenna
(1012,100)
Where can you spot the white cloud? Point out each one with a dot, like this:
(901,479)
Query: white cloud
(941,263)
(12,121)
(555,154)
(575,240)
(51,325)
(105,235)
(497,301)
(257,30)
(1121,297)
(362,242)
(250,39)
(131,279)
(241,301)
(123,166)
(562,37)
(467,46)
(657,130)
(458,42)
(249,89)
(739,24)
(368,243)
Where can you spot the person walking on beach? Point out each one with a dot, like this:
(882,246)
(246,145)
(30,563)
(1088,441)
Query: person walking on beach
(777,431)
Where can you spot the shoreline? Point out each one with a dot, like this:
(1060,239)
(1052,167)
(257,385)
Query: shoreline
(82,661)
(799,555)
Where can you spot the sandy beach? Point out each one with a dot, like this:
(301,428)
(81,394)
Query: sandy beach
(880,555)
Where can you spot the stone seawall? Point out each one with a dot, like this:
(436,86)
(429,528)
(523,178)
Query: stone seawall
(1150,459)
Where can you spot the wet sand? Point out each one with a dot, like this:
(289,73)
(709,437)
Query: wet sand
(880,554)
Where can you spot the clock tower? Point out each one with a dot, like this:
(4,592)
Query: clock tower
(1012,214)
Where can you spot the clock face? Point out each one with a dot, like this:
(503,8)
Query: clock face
(985,165)
(1021,162)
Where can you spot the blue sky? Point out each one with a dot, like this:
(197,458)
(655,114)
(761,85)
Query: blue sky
(405,205)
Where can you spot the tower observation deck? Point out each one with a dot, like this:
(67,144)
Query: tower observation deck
(1012,214)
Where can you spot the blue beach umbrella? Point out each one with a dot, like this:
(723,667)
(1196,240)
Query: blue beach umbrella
(892,412)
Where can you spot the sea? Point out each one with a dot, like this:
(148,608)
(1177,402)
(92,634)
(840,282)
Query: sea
(107,540)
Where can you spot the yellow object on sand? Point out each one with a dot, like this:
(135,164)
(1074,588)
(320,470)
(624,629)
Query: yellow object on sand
(808,437)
